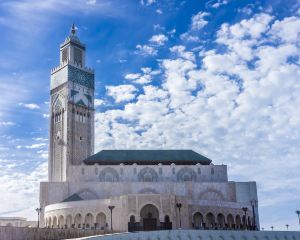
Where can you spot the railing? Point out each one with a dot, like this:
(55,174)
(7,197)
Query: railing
(23,233)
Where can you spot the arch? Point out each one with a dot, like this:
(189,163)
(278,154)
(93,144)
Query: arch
(211,195)
(221,221)
(186,174)
(132,219)
(49,222)
(101,221)
(230,221)
(69,221)
(148,190)
(167,219)
(57,106)
(249,222)
(149,217)
(198,220)
(210,220)
(89,220)
(87,194)
(78,220)
(238,222)
(54,222)
(61,222)
(109,174)
(148,174)
(9,225)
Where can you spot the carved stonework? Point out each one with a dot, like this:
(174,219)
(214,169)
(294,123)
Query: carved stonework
(211,195)
(148,175)
(109,175)
(186,174)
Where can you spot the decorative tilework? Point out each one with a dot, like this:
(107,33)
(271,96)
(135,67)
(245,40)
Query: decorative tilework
(73,93)
(80,103)
(81,77)
(88,97)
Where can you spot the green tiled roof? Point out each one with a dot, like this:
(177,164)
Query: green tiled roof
(147,157)
(74,197)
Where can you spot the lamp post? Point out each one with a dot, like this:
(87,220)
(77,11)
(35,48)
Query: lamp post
(245,209)
(254,204)
(111,208)
(298,213)
(287,227)
(38,212)
(179,205)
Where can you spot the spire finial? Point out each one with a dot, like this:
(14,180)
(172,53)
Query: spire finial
(73,29)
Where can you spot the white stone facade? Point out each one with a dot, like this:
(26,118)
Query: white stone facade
(127,190)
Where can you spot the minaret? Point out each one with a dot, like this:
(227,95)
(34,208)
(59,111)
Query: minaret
(71,109)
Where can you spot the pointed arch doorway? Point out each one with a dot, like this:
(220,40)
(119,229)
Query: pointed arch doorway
(150,217)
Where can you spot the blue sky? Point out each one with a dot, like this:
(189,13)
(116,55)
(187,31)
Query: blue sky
(220,77)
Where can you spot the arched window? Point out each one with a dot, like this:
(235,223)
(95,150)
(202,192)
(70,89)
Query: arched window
(132,219)
(148,175)
(109,175)
(186,174)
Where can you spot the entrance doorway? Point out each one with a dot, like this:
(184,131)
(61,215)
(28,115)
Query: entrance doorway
(150,218)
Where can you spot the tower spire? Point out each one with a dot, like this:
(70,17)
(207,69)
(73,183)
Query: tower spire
(73,29)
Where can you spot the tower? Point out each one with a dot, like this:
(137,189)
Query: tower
(71,109)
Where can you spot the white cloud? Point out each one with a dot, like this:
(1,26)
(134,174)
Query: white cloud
(98,102)
(144,78)
(159,11)
(7,123)
(40,139)
(238,106)
(189,38)
(146,50)
(159,39)
(147,2)
(91,2)
(46,115)
(36,145)
(198,21)
(31,106)
(21,191)
(121,93)
(181,52)
(219,3)
(132,76)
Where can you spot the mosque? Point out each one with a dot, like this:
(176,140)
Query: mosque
(128,190)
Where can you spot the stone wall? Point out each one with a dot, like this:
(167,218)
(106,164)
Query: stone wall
(159,172)
(22,233)
(202,235)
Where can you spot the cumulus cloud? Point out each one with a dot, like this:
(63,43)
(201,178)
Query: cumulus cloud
(159,39)
(122,93)
(198,21)
(218,3)
(238,106)
(147,2)
(181,52)
(146,50)
(31,106)
(8,123)
(36,145)
(98,102)
(142,78)
(132,76)
(21,191)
